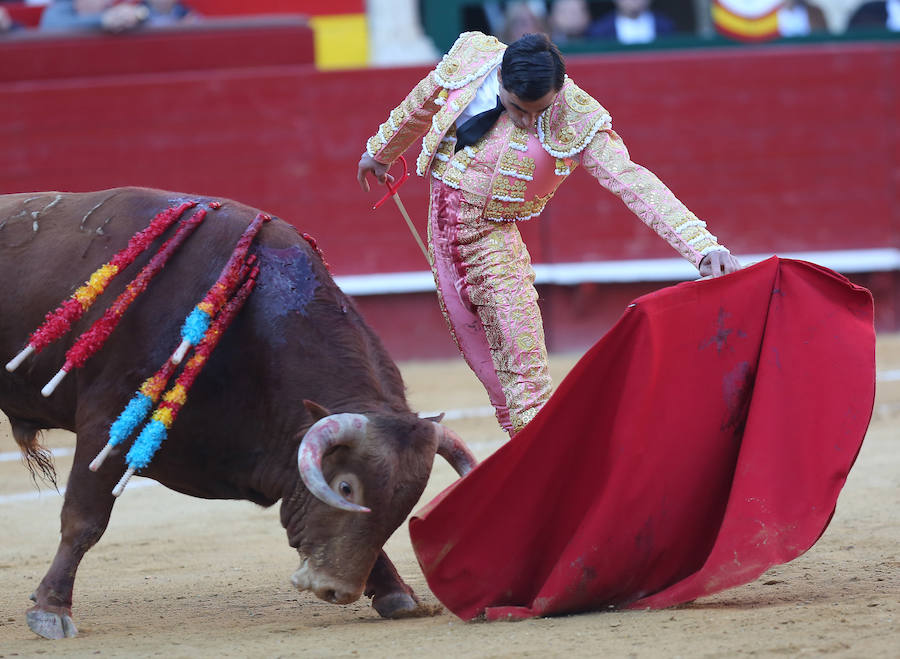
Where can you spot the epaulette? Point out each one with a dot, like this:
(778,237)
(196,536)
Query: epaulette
(572,121)
(472,56)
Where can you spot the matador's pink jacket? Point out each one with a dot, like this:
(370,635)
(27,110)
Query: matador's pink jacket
(512,173)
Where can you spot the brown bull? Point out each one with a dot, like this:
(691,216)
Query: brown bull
(344,489)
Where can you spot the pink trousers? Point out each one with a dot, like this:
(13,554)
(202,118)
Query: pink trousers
(485,286)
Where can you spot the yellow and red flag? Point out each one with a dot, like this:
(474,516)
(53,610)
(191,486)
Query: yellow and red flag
(747,20)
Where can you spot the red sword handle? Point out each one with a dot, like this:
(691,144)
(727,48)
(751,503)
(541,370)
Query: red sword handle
(392,189)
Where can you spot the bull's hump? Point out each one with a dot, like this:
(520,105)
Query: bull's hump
(287,280)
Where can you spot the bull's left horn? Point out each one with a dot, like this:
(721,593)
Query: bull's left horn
(451,447)
(336,430)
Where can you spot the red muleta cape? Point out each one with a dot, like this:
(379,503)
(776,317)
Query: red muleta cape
(703,440)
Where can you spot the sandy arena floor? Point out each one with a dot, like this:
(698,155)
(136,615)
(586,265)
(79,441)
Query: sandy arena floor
(181,577)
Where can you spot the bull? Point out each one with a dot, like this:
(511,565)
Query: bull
(299,403)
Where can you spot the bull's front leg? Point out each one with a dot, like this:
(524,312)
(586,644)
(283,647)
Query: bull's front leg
(85,515)
(391,597)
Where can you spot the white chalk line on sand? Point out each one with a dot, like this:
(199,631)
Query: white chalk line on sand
(451,415)
(888,376)
(134,483)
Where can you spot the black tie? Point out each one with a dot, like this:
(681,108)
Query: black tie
(477,125)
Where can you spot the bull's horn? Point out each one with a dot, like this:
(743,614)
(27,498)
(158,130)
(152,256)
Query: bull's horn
(451,447)
(336,430)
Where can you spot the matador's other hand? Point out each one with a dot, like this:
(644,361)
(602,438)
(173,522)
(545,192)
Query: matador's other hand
(368,165)
(718,263)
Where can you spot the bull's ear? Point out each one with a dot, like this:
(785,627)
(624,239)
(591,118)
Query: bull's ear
(316,410)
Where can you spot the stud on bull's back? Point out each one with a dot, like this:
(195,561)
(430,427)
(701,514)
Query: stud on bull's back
(299,401)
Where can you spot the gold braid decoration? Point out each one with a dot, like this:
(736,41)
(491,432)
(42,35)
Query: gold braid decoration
(570,123)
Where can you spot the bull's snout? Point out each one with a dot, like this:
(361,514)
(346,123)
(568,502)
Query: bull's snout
(324,586)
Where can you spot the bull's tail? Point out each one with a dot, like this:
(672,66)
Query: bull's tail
(38,459)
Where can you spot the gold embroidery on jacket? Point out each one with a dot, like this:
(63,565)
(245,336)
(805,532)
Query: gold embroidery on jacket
(438,168)
(508,189)
(521,167)
(571,122)
(579,100)
(606,158)
(452,176)
(518,139)
(442,123)
(487,43)
(406,123)
(500,211)
(448,69)
(472,56)
(399,115)
(564,166)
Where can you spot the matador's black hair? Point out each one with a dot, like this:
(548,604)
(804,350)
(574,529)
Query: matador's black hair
(532,66)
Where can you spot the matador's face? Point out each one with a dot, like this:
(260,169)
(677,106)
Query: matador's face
(524,114)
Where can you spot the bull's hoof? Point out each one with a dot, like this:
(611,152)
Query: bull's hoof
(398,605)
(50,625)
(419,610)
(395,605)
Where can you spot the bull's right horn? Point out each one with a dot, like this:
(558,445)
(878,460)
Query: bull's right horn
(343,429)
(451,447)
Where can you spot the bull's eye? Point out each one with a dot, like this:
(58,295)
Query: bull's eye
(345,489)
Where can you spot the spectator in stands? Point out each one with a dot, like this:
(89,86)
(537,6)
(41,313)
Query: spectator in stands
(569,20)
(6,22)
(497,14)
(876,15)
(632,22)
(168,12)
(110,15)
(523,18)
(798,18)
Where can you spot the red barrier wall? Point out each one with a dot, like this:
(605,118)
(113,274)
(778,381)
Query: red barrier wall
(83,60)
(308,7)
(30,15)
(779,148)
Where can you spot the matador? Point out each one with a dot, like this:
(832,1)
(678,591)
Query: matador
(501,128)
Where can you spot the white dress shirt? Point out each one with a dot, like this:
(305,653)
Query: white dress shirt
(485,98)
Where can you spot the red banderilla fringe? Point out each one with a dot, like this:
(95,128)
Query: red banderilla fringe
(58,322)
(92,340)
(198,321)
(229,277)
